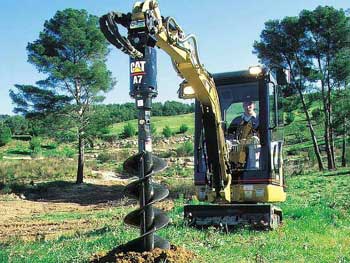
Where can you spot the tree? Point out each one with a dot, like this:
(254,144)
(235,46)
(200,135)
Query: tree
(327,30)
(341,122)
(18,124)
(72,52)
(282,45)
(340,70)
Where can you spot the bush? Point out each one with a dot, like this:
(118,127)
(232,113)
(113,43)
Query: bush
(167,132)
(109,137)
(68,152)
(317,114)
(129,130)
(66,136)
(185,149)
(105,157)
(5,134)
(290,117)
(25,138)
(153,129)
(35,146)
(183,128)
(312,156)
(50,145)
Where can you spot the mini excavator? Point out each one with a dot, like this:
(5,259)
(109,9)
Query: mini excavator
(238,174)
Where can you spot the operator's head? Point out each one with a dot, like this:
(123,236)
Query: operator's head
(249,108)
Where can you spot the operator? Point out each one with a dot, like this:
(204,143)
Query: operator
(245,132)
(246,125)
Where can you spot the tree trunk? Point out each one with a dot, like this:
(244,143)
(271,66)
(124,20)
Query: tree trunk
(326,111)
(327,143)
(330,122)
(312,132)
(80,171)
(343,155)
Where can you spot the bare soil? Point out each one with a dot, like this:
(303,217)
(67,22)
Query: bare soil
(23,215)
(20,219)
(172,255)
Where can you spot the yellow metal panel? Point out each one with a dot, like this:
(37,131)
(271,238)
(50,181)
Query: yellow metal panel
(258,193)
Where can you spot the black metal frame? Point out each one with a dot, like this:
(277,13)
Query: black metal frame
(224,81)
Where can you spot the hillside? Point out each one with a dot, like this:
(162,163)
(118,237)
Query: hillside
(159,122)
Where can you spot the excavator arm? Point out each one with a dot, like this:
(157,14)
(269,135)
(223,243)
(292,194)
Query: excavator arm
(146,27)
(197,84)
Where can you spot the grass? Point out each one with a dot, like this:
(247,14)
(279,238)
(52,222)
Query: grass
(174,122)
(16,174)
(18,148)
(316,229)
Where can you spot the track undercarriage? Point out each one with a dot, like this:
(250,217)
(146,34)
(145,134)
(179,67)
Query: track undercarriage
(264,216)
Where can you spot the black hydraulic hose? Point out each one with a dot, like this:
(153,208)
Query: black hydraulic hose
(109,27)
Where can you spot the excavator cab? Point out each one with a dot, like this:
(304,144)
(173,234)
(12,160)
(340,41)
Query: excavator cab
(254,143)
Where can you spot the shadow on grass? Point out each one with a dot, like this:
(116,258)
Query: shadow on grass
(19,152)
(69,192)
(336,173)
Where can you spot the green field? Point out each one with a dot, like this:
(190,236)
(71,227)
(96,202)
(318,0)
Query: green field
(174,122)
(316,228)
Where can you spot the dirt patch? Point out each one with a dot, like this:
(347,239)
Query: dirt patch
(23,216)
(69,192)
(42,230)
(19,219)
(172,255)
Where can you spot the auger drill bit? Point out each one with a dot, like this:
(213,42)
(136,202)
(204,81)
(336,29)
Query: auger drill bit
(143,88)
(144,164)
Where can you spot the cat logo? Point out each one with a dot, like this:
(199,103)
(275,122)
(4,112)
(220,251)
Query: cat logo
(137,70)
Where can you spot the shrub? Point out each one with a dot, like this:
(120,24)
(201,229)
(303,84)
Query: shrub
(68,152)
(153,129)
(109,137)
(26,137)
(185,149)
(290,117)
(66,136)
(167,132)
(50,145)
(5,135)
(105,157)
(129,130)
(183,128)
(35,146)
(312,156)
(317,114)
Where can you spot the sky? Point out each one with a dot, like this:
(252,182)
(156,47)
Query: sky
(225,31)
